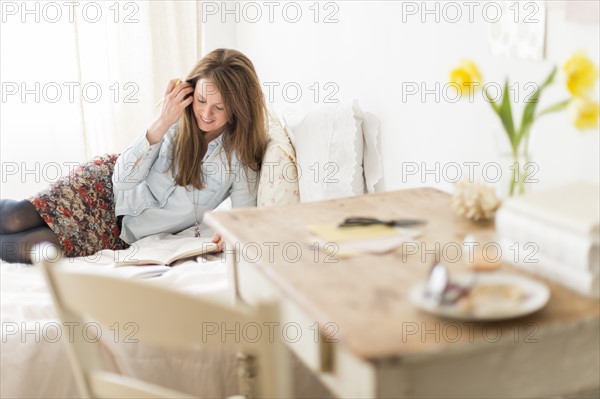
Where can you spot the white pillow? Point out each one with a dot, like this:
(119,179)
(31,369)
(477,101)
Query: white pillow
(372,162)
(329,147)
(278,184)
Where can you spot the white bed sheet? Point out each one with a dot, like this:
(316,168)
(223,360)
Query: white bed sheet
(33,361)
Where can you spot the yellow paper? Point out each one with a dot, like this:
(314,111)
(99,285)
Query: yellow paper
(331,232)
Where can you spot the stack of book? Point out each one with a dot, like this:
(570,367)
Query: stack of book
(555,233)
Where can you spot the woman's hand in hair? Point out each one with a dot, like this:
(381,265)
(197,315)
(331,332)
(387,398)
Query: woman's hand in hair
(178,95)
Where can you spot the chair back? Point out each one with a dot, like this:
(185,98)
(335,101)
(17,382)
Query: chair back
(160,317)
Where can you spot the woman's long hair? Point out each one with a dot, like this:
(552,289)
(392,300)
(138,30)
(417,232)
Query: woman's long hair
(245,132)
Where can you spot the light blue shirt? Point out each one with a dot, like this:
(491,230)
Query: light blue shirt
(149,199)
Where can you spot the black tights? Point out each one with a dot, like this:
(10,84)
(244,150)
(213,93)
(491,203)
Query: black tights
(21,227)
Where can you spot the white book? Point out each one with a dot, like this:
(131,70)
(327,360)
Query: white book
(165,252)
(581,281)
(574,207)
(572,249)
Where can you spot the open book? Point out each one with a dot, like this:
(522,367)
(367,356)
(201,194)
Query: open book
(165,252)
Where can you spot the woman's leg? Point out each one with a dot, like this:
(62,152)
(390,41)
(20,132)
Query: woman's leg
(21,227)
(16,247)
(18,216)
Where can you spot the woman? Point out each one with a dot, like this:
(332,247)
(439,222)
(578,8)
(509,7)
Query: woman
(206,144)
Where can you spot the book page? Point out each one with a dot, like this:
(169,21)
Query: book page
(137,255)
(194,248)
(164,252)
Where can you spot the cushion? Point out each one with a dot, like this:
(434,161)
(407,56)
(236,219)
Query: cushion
(372,163)
(330,149)
(278,184)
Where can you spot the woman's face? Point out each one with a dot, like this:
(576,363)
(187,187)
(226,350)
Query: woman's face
(208,107)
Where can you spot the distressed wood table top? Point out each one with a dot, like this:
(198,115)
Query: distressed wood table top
(367,296)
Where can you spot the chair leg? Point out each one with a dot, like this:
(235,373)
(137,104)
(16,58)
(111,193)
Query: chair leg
(246,365)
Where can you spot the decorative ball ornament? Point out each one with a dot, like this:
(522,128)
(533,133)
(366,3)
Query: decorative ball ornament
(474,200)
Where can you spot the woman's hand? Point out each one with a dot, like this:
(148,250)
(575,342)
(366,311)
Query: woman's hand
(219,241)
(176,98)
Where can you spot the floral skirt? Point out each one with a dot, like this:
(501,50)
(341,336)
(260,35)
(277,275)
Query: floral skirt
(80,208)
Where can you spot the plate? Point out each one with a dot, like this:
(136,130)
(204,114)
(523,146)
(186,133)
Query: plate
(532,296)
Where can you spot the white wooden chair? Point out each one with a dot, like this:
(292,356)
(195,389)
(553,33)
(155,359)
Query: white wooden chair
(163,317)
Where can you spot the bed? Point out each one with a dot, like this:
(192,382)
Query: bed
(33,357)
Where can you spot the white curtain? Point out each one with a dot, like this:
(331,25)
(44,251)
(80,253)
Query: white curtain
(155,41)
(80,80)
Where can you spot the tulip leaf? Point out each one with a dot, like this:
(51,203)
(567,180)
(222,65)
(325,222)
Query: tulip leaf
(529,111)
(506,115)
(556,107)
(490,100)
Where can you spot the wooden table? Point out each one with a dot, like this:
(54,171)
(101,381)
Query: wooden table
(351,323)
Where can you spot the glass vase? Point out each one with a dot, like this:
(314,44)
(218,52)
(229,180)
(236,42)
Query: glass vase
(517,168)
(517,171)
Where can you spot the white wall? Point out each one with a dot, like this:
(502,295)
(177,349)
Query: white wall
(371,54)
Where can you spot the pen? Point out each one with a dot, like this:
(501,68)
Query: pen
(162,99)
(365,221)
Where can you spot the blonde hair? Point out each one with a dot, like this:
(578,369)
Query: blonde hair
(235,78)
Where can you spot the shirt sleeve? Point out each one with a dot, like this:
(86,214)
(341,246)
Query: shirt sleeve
(134,163)
(244,189)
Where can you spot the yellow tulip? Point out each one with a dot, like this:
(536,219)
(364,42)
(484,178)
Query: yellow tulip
(584,113)
(466,76)
(581,74)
